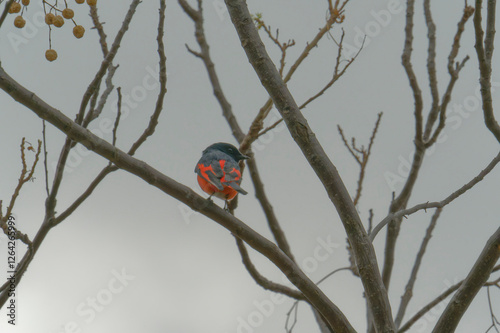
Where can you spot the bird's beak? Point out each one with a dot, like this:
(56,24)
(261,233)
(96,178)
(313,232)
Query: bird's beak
(245,157)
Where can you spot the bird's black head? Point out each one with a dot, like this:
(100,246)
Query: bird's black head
(228,149)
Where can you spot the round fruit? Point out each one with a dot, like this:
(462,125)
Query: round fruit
(78,31)
(19,22)
(58,21)
(26,2)
(49,18)
(92,2)
(79,1)
(68,13)
(51,55)
(15,8)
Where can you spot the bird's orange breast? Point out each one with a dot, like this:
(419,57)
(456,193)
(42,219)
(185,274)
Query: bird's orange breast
(227,194)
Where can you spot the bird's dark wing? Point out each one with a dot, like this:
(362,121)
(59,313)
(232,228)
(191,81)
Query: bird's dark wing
(209,168)
(232,175)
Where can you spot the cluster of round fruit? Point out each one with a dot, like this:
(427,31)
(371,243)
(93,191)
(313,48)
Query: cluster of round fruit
(55,17)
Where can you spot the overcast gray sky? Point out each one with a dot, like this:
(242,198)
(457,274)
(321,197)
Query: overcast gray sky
(133,259)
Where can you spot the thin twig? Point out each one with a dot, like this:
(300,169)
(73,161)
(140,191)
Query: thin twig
(26,175)
(100,30)
(95,111)
(412,78)
(454,70)
(275,38)
(494,320)
(45,156)
(433,303)
(260,279)
(107,61)
(289,327)
(361,155)
(405,299)
(296,303)
(436,204)
(118,114)
(431,68)
(153,122)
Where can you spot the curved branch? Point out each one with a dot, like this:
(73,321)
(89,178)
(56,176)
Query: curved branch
(477,277)
(260,279)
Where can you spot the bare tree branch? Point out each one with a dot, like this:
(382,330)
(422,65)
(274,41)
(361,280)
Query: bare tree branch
(433,303)
(436,204)
(428,307)
(100,30)
(153,122)
(275,38)
(406,60)
(401,200)
(484,51)
(118,114)
(204,54)
(26,175)
(106,63)
(431,68)
(260,279)
(478,275)
(361,155)
(326,171)
(494,320)
(405,299)
(295,305)
(45,156)
(453,69)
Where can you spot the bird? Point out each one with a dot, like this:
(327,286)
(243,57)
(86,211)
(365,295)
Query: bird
(219,173)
